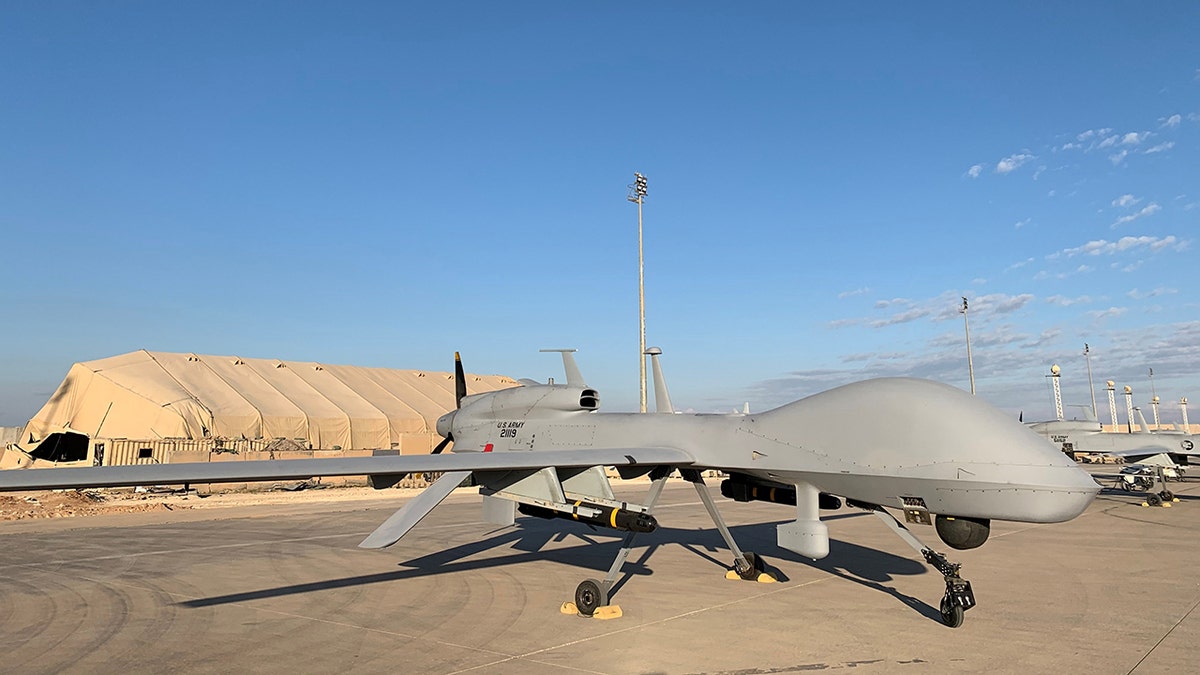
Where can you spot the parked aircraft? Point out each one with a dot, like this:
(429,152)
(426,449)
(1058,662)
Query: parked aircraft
(1134,447)
(937,454)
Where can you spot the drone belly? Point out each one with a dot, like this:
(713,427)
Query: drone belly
(1033,494)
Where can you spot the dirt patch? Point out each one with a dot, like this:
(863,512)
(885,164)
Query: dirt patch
(73,503)
(70,503)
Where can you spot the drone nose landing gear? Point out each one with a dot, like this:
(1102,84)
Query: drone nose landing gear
(958,597)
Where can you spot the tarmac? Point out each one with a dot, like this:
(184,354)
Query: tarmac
(282,588)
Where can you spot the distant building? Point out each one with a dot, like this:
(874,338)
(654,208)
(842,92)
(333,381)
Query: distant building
(158,407)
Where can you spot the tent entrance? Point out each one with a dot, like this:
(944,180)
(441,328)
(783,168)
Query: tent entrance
(62,446)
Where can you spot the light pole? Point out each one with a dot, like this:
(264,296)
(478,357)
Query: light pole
(637,195)
(1129,408)
(1154,399)
(1054,374)
(1112,404)
(1087,355)
(970,363)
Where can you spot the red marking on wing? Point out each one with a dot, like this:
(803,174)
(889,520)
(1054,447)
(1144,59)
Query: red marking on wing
(488,447)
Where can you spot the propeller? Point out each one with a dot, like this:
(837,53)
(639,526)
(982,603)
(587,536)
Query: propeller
(460,391)
(460,382)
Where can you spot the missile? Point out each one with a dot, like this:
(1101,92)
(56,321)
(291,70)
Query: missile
(747,491)
(620,519)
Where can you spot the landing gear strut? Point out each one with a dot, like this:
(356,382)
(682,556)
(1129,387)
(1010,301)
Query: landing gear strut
(746,565)
(591,596)
(958,597)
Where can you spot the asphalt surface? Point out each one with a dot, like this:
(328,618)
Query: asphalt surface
(283,589)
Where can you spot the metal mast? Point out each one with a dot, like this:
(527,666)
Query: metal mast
(1054,374)
(970,363)
(1112,403)
(1154,399)
(1087,355)
(1129,408)
(637,195)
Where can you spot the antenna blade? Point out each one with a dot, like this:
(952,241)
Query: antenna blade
(662,398)
(574,377)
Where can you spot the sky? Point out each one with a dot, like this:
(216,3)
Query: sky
(383,184)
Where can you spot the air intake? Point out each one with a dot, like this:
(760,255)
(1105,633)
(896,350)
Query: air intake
(589,399)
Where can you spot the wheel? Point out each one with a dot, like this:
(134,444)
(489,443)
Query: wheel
(590,595)
(1154,500)
(754,569)
(952,615)
(1167,495)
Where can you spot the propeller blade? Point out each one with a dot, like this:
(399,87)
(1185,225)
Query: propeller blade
(460,381)
(442,446)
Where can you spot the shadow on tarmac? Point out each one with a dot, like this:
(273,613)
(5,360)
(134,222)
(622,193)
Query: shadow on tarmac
(595,551)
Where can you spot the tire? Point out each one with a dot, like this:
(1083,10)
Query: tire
(952,615)
(1154,500)
(589,596)
(755,568)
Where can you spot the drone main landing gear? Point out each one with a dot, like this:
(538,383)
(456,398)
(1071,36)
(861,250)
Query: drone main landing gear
(958,597)
(746,566)
(591,596)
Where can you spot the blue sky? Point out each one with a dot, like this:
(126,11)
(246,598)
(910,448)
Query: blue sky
(382,184)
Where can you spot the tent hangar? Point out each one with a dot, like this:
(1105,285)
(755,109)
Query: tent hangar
(157,407)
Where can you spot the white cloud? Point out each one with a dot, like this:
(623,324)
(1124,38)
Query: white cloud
(903,317)
(1125,200)
(1147,210)
(1040,170)
(1108,142)
(1161,147)
(979,281)
(1160,291)
(1119,157)
(1005,304)
(1063,301)
(849,294)
(1134,138)
(1070,146)
(1021,223)
(1111,312)
(1013,162)
(975,170)
(1093,133)
(1018,265)
(1105,247)
(1172,121)
(884,304)
(1083,268)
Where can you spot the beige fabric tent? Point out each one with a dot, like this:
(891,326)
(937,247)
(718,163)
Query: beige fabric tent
(158,395)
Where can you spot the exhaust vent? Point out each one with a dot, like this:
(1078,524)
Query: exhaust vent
(589,399)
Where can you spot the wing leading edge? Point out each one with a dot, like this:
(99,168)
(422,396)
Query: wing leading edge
(299,469)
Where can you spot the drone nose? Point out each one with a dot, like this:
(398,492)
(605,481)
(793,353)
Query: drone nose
(445,423)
